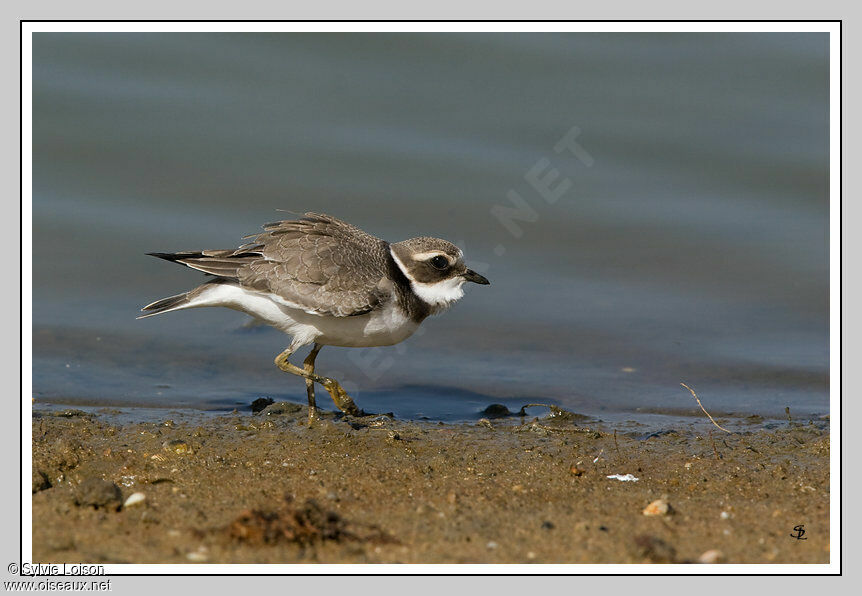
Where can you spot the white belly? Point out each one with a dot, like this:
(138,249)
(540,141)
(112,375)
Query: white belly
(382,327)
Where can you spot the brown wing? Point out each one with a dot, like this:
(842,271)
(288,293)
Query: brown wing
(319,263)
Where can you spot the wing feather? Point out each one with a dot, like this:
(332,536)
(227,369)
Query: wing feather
(322,263)
(318,262)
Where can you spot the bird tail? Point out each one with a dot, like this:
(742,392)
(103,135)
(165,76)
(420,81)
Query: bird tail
(168,304)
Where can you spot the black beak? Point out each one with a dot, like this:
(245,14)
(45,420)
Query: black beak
(471,275)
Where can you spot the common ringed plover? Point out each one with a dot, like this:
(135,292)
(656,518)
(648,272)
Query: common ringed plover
(325,282)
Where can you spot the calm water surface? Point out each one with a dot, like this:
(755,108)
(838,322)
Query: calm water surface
(691,244)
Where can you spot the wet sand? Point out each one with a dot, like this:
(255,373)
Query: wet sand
(264,488)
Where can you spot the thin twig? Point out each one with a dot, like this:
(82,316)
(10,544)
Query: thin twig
(704,409)
(714,449)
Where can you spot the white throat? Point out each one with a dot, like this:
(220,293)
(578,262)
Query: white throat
(438,295)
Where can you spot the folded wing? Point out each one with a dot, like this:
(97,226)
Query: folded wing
(318,263)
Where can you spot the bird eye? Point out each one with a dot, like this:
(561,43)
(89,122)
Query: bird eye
(439,262)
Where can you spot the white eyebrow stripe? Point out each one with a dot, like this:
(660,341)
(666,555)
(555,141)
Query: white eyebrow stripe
(423,256)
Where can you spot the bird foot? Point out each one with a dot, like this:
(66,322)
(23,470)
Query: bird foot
(341,399)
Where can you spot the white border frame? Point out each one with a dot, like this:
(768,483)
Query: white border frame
(833,28)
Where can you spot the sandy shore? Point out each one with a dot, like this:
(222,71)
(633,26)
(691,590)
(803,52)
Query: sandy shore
(264,488)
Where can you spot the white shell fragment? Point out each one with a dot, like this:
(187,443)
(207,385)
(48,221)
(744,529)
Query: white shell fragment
(623,477)
(135,499)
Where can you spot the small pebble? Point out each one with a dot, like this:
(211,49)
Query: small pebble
(260,404)
(658,507)
(711,556)
(491,545)
(135,499)
(496,411)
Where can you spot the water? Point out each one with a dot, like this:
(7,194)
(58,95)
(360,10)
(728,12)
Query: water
(691,246)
